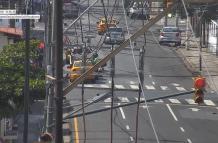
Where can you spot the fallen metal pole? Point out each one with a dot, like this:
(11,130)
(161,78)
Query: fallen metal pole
(129,104)
(118,49)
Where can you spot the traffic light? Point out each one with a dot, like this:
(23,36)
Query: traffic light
(46,138)
(199,85)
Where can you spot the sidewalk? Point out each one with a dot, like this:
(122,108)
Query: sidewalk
(209,63)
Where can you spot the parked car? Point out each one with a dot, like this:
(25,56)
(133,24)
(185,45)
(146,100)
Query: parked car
(102,25)
(138,10)
(170,34)
(114,35)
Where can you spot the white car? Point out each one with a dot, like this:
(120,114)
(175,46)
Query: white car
(170,34)
(114,35)
(138,10)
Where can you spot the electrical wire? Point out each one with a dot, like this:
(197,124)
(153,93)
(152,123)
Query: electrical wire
(200,54)
(137,71)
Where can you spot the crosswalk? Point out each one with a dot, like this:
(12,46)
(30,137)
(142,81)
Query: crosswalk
(136,87)
(207,102)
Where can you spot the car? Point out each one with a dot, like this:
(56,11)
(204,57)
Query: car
(138,10)
(114,35)
(170,34)
(77,70)
(102,25)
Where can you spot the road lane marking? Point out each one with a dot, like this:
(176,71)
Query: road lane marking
(123,99)
(127,127)
(175,101)
(190,101)
(119,86)
(122,113)
(164,87)
(182,129)
(76,130)
(150,87)
(189,141)
(209,102)
(181,88)
(134,86)
(108,100)
(104,86)
(141,99)
(175,84)
(150,75)
(171,111)
(132,82)
(153,82)
(131,139)
(109,81)
(159,101)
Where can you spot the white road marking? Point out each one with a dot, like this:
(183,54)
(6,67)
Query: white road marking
(123,99)
(119,86)
(194,109)
(209,102)
(189,141)
(104,86)
(150,87)
(122,113)
(87,85)
(132,82)
(109,81)
(144,106)
(134,86)
(164,87)
(107,106)
(181,88)
(171,111)
(159,101)
(175,84)
(182,129)
(150,75)
(141,99)
(175,101)
(192,88)
(108,100)
(131,139)
(153,82)
(190,101)
(127,127)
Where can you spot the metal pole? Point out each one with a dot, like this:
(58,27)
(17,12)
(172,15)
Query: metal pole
(186,33)
(59,72)
(112,90)
(50,85)
(26,84)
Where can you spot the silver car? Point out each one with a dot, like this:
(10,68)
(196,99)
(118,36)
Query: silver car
(114,35)
(170,34)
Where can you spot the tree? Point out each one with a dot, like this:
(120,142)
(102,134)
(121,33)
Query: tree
(12,76)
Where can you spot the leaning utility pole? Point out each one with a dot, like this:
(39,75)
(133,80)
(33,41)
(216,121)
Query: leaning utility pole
(112,90)
(26,84)
(58,7)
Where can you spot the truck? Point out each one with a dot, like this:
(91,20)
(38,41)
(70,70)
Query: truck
(102,24)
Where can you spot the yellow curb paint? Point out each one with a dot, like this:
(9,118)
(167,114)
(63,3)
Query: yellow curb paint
(76,130)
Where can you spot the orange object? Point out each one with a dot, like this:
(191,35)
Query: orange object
(102,24)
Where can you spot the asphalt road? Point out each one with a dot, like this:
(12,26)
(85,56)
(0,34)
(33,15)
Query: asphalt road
(173,120)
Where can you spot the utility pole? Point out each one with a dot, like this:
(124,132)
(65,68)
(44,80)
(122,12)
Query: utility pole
(26,84)
(141,78)
(50,71)
(58,11)
(112,90)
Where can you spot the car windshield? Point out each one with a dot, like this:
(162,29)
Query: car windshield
(115,30)
(170,29)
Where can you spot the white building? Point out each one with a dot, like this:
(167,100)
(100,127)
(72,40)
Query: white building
(213,36)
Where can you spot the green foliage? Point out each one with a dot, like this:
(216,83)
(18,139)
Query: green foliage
(12,78)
